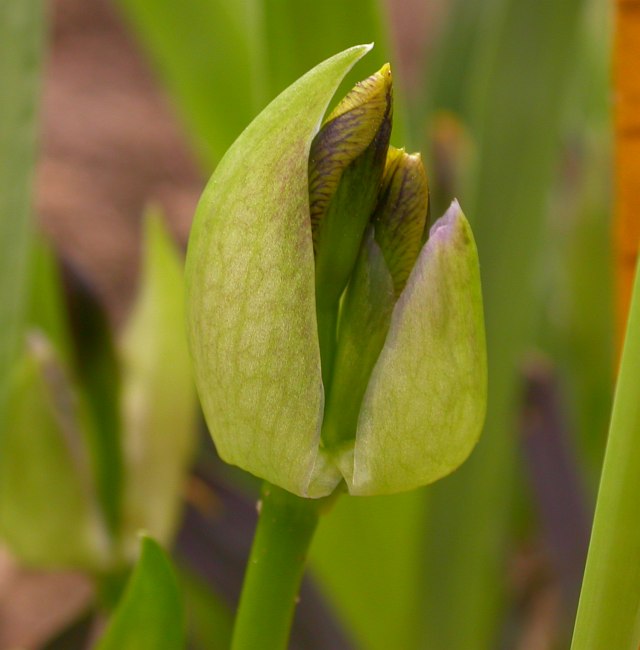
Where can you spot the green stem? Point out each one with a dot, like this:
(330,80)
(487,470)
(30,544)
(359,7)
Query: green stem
(275,569)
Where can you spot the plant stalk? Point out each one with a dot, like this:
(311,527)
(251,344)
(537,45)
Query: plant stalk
(276,564)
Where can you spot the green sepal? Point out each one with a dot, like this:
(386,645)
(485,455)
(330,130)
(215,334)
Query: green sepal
(251,295)
(158,396)
(49,511)
(364,322)
(424,406)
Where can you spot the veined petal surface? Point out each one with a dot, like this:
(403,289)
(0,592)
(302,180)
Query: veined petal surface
(251,294)
(424,406)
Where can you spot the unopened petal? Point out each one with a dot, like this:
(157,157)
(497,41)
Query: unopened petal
(424,407)
(401,213)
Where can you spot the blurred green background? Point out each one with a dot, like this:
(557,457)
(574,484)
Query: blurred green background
(135,101)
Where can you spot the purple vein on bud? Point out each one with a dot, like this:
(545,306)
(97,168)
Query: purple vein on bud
(401,216)
(346,163)
(345,135)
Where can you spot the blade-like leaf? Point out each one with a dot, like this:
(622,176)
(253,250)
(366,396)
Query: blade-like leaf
(517,155)
(208,54)
(77,326)
(609,610)
(149,615)
(48,506)
(21,36)
(223,61)
(365,556)
(97,371)
(46,300)
(158,396)
(299,34)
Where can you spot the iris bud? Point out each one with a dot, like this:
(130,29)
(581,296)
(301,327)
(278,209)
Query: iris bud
(388,253)
(401,215)
(346,163)
(287,221)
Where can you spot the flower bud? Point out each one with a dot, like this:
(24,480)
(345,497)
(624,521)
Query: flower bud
(346,163)
(275,240)
(387,255)
(401,214)
(424,405)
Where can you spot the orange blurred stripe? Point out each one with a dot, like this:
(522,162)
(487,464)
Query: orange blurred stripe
(627,154)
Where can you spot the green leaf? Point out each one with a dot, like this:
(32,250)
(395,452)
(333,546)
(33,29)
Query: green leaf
(49,514)
(158,396)
(21,38)
(609,610)
(518,151)
(208,53)
(150,613)
(579,255)
(223,61)
(366,556)
(79,331)
(75,374)
(299,34)
(97,371)
(251,293)
(424,407)
(46,299)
